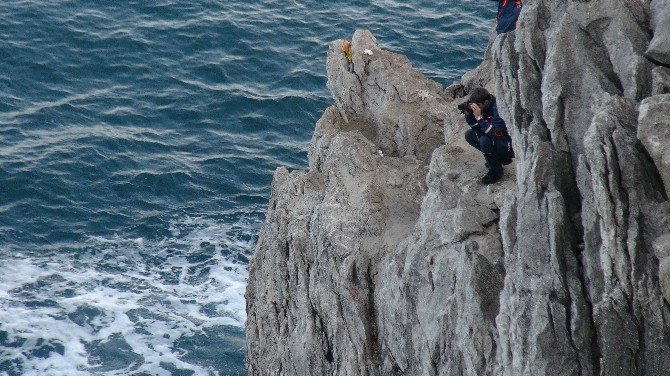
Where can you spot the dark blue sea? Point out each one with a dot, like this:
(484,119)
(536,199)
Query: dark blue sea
(137,145)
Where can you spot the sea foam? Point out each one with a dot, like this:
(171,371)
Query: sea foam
(126,304)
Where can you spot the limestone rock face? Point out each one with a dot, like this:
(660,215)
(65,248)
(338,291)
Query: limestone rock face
(590,202)
(659,47)
(405,110)
(654,132)
(661,80)
(311,293)
(388,257)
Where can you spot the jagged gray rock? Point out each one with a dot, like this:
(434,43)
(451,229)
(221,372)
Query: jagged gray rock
(311,291)
(404,109)
(662,252)
(618,261)
(659,47)
(589,200)
(660,81)
(387,257)
(437,294)
(654,132)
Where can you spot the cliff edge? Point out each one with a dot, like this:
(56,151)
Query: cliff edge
(387,257)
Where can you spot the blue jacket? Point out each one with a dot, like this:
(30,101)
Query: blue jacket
(508,13)
(491,124)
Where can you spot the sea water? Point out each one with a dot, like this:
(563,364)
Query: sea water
(137,145)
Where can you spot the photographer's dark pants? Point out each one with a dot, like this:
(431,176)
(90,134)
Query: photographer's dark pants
(489,148)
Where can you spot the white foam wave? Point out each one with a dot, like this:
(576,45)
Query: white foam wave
(149,294)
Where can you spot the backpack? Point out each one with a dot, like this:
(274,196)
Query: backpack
(504,149)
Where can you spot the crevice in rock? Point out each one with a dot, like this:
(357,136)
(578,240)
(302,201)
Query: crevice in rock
(432,281)
(354,274)
(373,326)
(641,344)
(596,351)
(599,54)
(329,349)
(397,93)
(577,229)
(360,82)
(568,324)
(637,353)
(544,17)
(396,369)
(656,62)
(567,301)
(435,360)
(625,205)
(606,168)
(651,170)
(550,317)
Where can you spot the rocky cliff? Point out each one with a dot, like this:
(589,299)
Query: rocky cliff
(388,257)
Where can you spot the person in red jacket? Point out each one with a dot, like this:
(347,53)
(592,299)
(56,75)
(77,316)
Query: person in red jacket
(508,13)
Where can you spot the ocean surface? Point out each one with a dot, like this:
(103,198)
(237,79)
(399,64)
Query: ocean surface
(137,145)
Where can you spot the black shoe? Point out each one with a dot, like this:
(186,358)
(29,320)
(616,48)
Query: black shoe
(491,177)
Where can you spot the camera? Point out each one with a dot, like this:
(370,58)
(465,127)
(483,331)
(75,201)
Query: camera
(465,108)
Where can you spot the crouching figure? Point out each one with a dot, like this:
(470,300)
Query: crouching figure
(488,133)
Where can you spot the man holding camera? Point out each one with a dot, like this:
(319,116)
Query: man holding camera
(488,133)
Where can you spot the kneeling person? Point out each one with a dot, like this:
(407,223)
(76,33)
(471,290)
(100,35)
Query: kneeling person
(488,133)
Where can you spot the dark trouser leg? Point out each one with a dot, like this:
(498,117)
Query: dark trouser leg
(472,139)
(487,147)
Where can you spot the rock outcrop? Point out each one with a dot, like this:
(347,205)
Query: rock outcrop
(388,257)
